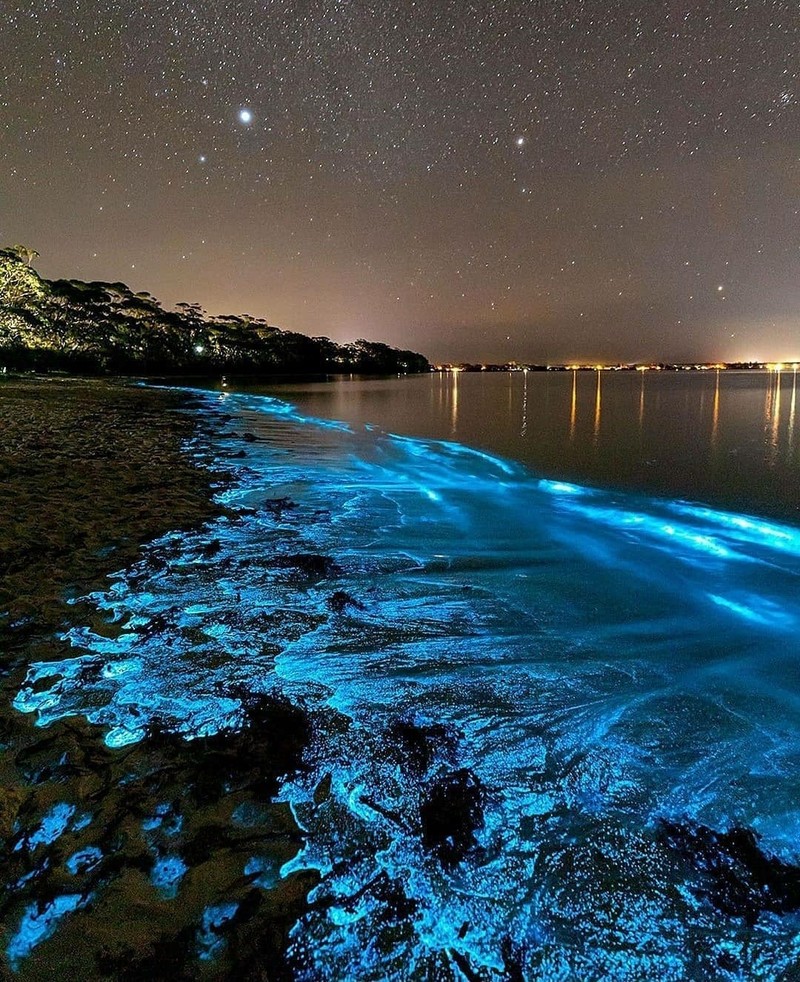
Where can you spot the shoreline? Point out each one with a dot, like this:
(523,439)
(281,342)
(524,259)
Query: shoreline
(329,687)
(91,471)
(100,468)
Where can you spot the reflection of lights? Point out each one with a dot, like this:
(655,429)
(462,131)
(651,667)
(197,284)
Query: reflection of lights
(776,410)
(597,402)
(715,418)
(573,414)
(524,430)
(454,404)
(641,404)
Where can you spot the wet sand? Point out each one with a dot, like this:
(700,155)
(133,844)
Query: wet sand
(96,842)
(89,470)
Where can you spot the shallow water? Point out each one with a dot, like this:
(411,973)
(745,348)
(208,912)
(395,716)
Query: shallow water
(582,665)
(726,437)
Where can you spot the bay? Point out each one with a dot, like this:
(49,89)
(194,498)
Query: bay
(725,437)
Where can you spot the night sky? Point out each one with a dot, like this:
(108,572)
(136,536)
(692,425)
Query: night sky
(475,180)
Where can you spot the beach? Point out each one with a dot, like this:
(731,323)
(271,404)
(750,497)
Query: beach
(89,472)
(348,703)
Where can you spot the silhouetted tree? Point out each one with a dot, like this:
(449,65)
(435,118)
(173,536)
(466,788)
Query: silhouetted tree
(105,327)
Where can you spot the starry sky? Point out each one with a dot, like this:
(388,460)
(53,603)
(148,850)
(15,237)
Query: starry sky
(541,180)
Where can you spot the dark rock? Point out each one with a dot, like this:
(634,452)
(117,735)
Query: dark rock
(158,624)
(307,565)
(339,602)
(451,810)
(210,549)
(421,745)
(737,877)
(396,905)
(323,790)
(277,506)
(268,745)
(513,960)
(464,965)
(249,437)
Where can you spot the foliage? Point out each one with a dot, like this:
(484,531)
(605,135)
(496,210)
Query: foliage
(107,328)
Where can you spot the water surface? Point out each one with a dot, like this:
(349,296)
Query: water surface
(608,680)
(726,437)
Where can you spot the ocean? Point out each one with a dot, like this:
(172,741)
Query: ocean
(545,626)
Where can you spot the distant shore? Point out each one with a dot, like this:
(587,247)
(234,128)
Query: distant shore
(515,366)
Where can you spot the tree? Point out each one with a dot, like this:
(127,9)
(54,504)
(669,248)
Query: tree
(105,327)
(19,282)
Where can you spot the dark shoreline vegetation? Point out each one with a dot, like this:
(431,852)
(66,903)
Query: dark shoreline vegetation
(102,328)
(92,470)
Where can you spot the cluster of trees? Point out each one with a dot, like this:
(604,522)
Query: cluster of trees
(106,328)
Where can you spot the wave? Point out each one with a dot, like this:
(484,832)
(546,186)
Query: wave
(532,680)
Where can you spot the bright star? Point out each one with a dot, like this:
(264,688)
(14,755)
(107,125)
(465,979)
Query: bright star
(245,117)
(520,141)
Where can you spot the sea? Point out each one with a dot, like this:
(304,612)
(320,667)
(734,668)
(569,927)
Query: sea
(547,626)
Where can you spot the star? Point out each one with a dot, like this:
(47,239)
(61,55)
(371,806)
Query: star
(245,116)
(520,141)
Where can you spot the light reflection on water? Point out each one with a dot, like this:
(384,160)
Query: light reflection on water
(721,436)
(600,661)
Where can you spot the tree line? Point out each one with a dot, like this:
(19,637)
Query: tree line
(106,328)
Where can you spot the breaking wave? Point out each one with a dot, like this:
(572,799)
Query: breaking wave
(540,707)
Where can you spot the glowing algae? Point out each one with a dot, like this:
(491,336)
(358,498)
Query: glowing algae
(598,661)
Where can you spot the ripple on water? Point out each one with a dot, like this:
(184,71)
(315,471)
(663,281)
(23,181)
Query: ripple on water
(534,676)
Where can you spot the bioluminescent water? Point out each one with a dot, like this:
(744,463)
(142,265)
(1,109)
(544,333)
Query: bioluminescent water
(557,729)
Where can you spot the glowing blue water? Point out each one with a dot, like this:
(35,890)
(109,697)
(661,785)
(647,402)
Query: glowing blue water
(599,661)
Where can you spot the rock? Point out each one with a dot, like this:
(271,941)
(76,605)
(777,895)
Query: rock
(307,565)
(339,602)
(421,745)
(736,876)
(277,506)
(210,549)
(451,811)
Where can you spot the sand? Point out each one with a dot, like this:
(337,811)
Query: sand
(90,470)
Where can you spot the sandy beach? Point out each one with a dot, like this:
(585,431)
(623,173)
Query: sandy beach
(89,471)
